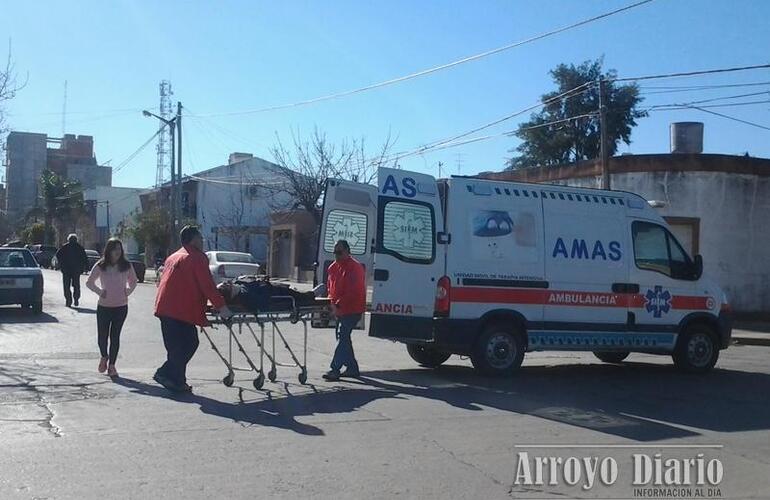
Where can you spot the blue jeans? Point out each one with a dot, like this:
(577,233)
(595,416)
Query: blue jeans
(343,354)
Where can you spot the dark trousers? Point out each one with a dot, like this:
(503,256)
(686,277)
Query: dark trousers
(181,341)
(109,323)
(71,280)
(343,354)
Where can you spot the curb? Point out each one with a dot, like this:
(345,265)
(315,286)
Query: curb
(752,341)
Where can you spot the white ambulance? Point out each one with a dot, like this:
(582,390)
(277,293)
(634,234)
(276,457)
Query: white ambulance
(493,269)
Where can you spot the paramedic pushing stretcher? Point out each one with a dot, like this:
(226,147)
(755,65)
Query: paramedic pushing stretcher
(185,287)
(347,290)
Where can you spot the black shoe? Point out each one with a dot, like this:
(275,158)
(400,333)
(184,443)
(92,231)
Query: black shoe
(350,374)
(331,375)
(68,304)
(76,302)
(168,383)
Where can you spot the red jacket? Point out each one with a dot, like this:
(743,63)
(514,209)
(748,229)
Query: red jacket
(347,286)
(186,286)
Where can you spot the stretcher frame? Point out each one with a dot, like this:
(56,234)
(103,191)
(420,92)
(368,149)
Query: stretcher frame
(244,321)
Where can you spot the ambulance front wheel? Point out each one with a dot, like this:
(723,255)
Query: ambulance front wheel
(426,355)
(696,349)
(611,356)
(499,350)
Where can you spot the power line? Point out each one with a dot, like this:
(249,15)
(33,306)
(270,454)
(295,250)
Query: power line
(731,118)
(673,107)
(690,73)
(435,68)
(564,95)
(697,88)
(138,150)
(715,99)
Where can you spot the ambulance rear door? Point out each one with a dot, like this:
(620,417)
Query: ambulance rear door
(408,261)
(349,213)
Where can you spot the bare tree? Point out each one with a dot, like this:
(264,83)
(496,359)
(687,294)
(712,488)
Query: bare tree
(302,168)
(9,86)
(230,217)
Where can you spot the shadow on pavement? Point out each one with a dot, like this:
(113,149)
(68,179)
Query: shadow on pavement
(636,401)
(642,402)
(273,412)
(84,310)
(12,315)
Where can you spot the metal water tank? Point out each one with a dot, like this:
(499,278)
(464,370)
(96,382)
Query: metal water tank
(687,137)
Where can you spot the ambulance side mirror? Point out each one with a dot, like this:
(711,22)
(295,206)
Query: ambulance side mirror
(698,267)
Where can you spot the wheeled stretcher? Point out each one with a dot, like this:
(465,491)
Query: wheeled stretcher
(283,309)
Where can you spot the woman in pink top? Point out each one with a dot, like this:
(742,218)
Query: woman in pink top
(117,279)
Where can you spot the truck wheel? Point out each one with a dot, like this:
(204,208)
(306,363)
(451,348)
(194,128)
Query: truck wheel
(426,355)
(499,350)
(37,307)
(696,349)
(611,356)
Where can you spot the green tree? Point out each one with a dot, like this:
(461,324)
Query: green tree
(569,141)
(151,230)
(62,202)
(34,234)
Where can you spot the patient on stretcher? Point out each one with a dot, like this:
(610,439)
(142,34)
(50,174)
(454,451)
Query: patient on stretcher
(255,295)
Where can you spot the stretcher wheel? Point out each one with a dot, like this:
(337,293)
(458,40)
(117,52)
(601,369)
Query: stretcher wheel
(271,374)
(229,378)
(302,376)
(259,381)
(294,319)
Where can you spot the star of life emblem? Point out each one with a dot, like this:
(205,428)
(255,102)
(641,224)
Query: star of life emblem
(657,301)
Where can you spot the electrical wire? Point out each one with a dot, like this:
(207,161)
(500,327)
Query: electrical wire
(730,117)
(672,107)
(689,73)
(715,99)
(435,68)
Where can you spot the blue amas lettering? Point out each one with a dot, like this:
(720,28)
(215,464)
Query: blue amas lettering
(408,187)
(580,249)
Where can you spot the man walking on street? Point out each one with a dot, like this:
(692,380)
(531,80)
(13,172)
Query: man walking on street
(72,262)
(347,290)
(185,288)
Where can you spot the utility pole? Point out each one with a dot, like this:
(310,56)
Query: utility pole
(109,232)
(174,232)
(603,146)
(179,169)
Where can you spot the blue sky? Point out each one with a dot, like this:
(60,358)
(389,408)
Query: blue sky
(233,55)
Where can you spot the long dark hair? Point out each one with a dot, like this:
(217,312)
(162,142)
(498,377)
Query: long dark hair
(123,264)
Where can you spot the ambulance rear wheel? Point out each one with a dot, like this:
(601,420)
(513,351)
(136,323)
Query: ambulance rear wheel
(499,350)
(611,356)
(696,349)
(426,355)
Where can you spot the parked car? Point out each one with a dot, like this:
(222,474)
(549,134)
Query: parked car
(229,265)
(21,279)
(93,257)
(43,254)
(139,267)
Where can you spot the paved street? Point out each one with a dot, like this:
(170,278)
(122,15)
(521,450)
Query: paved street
(67,432)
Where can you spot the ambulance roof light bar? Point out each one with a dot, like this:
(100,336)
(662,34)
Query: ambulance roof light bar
(656,203)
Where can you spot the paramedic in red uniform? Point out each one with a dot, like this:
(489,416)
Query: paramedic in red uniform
(347,290)
(185,287)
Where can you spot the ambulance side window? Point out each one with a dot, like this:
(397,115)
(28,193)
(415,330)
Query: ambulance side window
(655,249)
(406,231)
(348,226)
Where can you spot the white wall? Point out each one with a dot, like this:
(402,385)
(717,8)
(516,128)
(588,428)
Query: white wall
(215,199)
(123,203)
(734,213)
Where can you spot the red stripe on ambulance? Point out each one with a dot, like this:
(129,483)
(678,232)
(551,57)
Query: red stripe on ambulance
(476,295)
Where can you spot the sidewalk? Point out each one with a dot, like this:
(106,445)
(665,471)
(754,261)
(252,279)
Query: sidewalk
(751,333)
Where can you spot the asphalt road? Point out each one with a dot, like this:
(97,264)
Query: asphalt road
(67,432)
